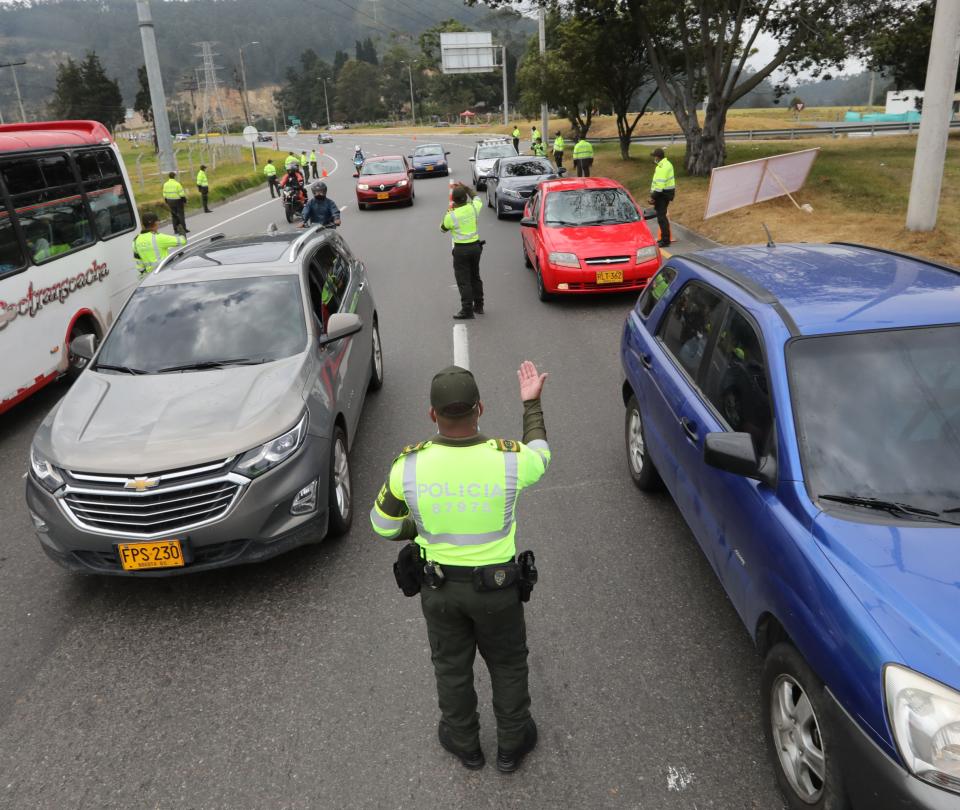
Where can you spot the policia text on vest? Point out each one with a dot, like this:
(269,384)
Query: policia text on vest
(455,496)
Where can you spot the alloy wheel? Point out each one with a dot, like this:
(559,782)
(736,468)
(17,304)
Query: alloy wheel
(636,450)
(341,479)
(796,736)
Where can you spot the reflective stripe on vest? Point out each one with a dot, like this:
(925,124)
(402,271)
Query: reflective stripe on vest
(583,149)
(461,236)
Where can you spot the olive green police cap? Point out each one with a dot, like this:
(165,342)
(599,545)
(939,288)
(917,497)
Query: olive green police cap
(454,391)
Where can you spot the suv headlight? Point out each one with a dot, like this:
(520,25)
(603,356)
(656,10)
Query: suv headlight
(564,259)
(44,472)
(510,192)
(645,254)
(257,461)
(925,718)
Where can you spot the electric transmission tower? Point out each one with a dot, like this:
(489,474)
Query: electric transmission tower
(212,105)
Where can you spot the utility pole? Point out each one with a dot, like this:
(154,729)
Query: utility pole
(506,102)
(243,81)
(413,114)
(326,101)
(873,81)
(158,100)
(935,118)
(542,24)
(13,69)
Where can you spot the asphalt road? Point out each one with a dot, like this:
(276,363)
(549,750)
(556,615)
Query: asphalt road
(306,682)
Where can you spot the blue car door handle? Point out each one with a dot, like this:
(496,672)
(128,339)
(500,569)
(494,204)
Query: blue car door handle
(646,360)
(689,428)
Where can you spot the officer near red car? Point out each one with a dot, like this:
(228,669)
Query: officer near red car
(455,496)
(462,222)
(663,188)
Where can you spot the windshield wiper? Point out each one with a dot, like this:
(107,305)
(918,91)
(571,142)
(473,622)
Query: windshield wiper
(607,221)
(893,507)
(124,369)
(206,364)
(562,222)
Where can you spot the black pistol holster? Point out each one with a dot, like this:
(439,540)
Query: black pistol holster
(528,574)
(408,569)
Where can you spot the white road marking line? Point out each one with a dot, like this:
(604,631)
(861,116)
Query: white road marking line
(461,346)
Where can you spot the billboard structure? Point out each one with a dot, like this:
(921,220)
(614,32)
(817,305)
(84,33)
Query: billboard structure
(473,52)
(756,181)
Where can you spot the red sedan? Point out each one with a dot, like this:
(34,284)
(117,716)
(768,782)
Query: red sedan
(384,179)
(587,235)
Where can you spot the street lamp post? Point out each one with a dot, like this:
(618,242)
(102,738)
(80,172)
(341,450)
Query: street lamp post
(13,69)
(413,113)
(243,81)
(326,101)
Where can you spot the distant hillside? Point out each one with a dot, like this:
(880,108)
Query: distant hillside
(45,33)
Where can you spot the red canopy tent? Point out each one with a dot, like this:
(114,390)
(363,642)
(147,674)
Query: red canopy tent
(468,115)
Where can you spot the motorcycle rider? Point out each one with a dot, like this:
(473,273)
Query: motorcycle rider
(357,157)
(320,210)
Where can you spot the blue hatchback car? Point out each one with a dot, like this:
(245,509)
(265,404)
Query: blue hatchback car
(801,403)
(429,159)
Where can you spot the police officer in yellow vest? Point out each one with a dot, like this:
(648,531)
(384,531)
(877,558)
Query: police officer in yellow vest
(663,188)
(582,156)
(313,165)
(516,138)
(176,199)
(538,148)
(270,172)
(456,496)
(558,147)
(151,246)
(203,186)
(462,222)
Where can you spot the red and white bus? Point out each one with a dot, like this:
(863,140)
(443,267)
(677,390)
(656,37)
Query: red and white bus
(67,223)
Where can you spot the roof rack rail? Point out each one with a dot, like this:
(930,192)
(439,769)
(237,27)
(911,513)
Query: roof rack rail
(939,265)
(298,244)
(184,248)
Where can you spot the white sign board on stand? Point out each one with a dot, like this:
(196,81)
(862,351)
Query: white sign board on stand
(250,134)
(292,132)
(467,52)
(755,181)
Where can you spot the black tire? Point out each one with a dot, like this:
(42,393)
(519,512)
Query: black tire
(361,206)
(788,682)
(376,360)
(642,470)
(496,205)
(542,293)
(288,210)
(489,204)
(526,258)
(75,365)
(340,512)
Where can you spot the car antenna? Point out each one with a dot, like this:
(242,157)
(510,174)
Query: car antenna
(770,242)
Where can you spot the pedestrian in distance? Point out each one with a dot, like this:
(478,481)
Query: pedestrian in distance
(455,496)
(534,134)
(151,247)
(582,155)
(462,222)
(516,138)
(176,199)
(304,163)
(663,189)
(313,164)
(558,147)
(538,148)
(270,172)
(203,186)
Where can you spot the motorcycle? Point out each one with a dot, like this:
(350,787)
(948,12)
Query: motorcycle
(357,163)
(293,200)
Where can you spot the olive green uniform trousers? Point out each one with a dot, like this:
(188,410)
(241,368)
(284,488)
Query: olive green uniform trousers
(459,621)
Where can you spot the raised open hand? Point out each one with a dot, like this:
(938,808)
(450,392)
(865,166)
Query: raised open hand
(531,381)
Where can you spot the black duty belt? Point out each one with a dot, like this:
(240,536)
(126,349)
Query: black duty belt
(462,573)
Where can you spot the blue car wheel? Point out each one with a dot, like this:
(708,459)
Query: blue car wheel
(642,470)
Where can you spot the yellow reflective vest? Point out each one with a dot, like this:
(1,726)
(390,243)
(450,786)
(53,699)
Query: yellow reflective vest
(172,190)
(313,156)
(202,178)
(663,177)
(150,248)
(462,221)
(558,144)
(582,149)
(270,170)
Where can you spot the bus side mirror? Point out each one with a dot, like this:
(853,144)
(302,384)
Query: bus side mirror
(84,346)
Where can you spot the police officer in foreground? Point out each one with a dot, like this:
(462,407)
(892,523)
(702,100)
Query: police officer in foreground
(151,247)
(455,495)
(462,222)
(663,188)
(320,209)
(582,155)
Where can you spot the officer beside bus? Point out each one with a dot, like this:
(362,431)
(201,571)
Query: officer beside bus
(455,496)
(176,199)
(151,247)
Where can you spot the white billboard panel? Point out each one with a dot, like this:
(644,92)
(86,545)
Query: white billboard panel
(757,180)
(467,52)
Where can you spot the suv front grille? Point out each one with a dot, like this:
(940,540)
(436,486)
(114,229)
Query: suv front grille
(192,498)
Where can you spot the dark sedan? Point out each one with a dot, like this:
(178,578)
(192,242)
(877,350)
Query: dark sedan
(514,179)
(428,160)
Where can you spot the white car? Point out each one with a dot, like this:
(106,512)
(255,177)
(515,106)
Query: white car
(485,154)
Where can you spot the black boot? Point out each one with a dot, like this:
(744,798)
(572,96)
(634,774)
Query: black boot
(474,760)
(478,307)
(509,761)
(465,313)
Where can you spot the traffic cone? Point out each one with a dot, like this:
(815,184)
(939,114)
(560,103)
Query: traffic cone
(451,184)
(324,172)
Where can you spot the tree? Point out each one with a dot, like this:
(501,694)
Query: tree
(716,37)
(340,58)
(84,91)
(302,94)
(142,103)
(902,51)
(394,79)
(358,92)
(366,51)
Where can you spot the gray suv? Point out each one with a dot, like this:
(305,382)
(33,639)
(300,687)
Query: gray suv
(212,427)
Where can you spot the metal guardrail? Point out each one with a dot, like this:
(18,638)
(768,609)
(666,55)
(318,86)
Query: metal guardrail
(834,130)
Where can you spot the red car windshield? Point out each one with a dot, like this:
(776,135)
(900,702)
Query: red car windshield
(590,206)
(374,166)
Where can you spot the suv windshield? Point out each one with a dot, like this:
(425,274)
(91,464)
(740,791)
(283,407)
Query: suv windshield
(374,166)
(526,168)
(500,150)
(234,320)
(429,150)
(878,415)
(600,206)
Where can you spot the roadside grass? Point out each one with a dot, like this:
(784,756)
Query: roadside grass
(230,178)
(858,188)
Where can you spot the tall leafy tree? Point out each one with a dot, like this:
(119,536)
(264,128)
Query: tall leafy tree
(340,58)
(902,51)
(358,92)
(83,90)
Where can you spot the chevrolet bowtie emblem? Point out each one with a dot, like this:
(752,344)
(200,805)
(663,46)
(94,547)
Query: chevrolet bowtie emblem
(142,483)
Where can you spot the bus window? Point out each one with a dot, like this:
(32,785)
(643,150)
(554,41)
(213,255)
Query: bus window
(11,256)
(106,195)
(48,204)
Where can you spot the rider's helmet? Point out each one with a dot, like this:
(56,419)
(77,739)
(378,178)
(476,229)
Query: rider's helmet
(356,148)
(319,188)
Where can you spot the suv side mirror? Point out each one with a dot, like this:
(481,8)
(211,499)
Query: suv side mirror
(735,453)
(471,159)
(84,346)
(649,213)
(561,171)
(341,325)
(528,222)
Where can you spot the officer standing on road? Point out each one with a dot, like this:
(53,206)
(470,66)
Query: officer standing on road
(290,160)
(663,188)
(558,146)
(150,247)
(203,186)
(313,164)
(456,495)
(176,199)
(516,138)
(320,210)
(582,155)
(461,220)
(534,134)
(270,172)
(304,163)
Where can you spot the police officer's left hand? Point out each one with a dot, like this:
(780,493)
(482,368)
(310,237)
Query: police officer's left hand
(531,382)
